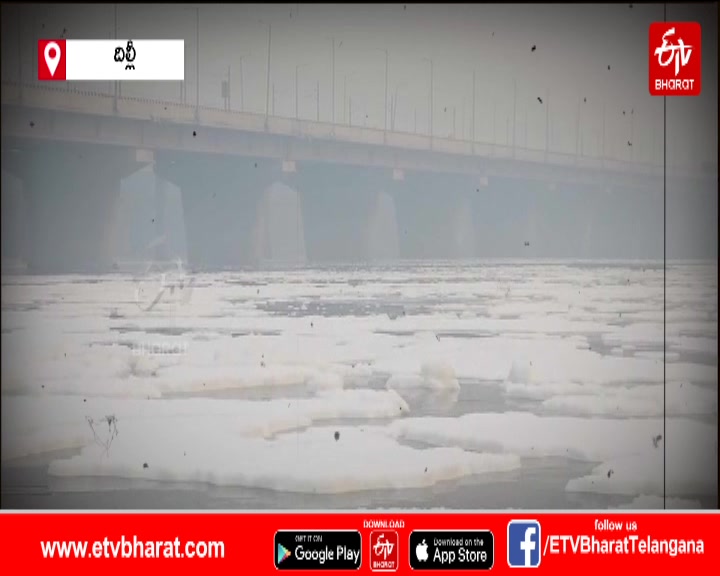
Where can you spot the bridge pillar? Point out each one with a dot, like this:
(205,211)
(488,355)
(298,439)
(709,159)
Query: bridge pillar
(237,211)
(160,200)
(382,241)
(463,226)
(348,213)
(279,226)
(71,195)
(436,216)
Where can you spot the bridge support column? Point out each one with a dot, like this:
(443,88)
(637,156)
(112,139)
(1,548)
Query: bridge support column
(463,226)
(236,210)
(347,213)
(279,226)
(160,198)
(382,241)
(436,216)
(71,195)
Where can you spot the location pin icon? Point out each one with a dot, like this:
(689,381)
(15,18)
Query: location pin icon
(52,56)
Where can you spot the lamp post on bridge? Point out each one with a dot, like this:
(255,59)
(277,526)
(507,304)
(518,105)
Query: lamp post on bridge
(227,87)
(472,131)
(347,98)
(514,120)
(432,87)
(578,130)
(183,87)
(547,121)
(267,76)
(242,83)
(394,105)
(297,92)
(387,68)
(387,58)
(197,64)
(603,132)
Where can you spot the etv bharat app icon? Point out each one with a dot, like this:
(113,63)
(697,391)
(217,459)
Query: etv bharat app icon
(282,554)
(384,556)
(675,64)
(523,544)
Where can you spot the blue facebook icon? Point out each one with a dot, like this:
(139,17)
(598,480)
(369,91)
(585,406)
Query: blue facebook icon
(524,544)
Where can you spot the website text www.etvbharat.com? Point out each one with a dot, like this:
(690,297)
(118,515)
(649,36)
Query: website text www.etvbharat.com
(125,548)
(620,543)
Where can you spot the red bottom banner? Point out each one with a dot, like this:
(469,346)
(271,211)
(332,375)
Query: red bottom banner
(359,542)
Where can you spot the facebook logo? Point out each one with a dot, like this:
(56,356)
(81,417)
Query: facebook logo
(524,544)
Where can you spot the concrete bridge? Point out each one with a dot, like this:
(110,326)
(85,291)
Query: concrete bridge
(262,188)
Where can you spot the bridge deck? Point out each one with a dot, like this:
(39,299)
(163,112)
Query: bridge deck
(62,113)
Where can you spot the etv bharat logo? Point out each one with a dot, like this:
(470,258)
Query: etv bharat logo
(675,59)
(384,551)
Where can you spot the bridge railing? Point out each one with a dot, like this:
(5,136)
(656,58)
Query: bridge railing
(74,99)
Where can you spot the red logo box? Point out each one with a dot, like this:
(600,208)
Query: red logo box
(384,551)
(675,59)
(51,60)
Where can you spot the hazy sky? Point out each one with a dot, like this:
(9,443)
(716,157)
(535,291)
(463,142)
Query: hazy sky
(575,45)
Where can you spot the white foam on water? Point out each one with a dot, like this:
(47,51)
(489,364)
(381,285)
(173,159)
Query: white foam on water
(433,375)
(70,350)
(37,425)
(690,469)
(624,445)
(311,461)
(679,400)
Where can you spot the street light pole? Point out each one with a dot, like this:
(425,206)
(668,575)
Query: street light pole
(472,133)
(514,122)
(386,88)
(547,121)
(197,63)
(344,99)
(333,80)
(494,123)
(317,113)
(603,131)
(242,88)
(393,98)
(267,86)
(229,82)
(297,94)
(430,111)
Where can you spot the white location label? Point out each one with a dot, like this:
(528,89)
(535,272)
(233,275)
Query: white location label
(52,56)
